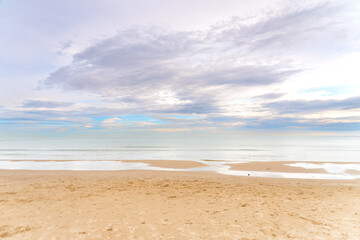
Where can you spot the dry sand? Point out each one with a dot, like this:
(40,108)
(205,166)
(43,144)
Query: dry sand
(174,205)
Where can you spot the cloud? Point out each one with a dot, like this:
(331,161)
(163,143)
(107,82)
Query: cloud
(307,106)
(136,66)
(232,74)
(155,70)
(114,122)
(271,95)
(299,28)
(284,123)
(45,104)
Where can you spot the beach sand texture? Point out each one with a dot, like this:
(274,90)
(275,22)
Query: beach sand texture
(273,167)
(174,205)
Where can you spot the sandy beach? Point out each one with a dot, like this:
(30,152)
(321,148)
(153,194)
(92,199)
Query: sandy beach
(180,120)
(174,205)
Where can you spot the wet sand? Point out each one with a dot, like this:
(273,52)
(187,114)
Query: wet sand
(273,167)
(169,163)
(270,167)
(174,205)
(351,171)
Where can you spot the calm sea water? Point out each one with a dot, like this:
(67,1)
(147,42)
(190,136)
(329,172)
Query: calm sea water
(88,152)
(239,149)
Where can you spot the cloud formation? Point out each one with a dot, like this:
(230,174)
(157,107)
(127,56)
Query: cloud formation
(234,74)
(156,70)
(307,106)
(45,104)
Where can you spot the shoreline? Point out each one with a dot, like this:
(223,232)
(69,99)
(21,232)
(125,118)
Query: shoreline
(271,169)
(156,174)
(169,160)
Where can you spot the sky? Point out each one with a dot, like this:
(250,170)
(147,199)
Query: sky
(87,66)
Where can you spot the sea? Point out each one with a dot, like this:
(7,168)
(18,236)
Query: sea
(333,153)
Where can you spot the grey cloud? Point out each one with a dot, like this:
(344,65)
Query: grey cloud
(55,117)
(198,67)
(290,123)
(198,107)
(132,48)
(295,30)
(133,70)
(302,106)
(247,76)
(133,57)
(282,123)
(271,95)
(77,119)
(45,104)
(64,46)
